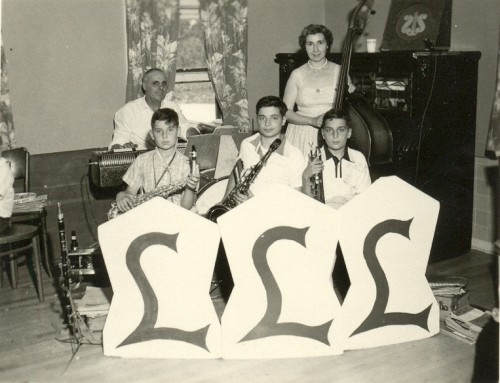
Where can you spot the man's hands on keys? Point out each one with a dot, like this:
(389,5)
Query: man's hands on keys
(128,145)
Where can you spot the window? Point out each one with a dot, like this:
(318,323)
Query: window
(193,89)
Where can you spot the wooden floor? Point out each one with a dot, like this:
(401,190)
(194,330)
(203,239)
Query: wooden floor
(30,351)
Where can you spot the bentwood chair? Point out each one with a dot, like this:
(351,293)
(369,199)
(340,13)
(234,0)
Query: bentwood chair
(20,239)
(19,159)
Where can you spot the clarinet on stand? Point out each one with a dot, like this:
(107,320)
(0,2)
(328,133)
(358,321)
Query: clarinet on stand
(65,280)
(75,322)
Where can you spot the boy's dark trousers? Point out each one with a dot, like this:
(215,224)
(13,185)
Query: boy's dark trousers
(5,225)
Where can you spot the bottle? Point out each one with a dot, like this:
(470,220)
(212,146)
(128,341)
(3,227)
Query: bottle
(74,242)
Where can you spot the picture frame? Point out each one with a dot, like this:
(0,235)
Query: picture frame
(418,25)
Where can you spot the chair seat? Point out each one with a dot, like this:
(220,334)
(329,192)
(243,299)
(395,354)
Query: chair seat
(18,233)
(16,236)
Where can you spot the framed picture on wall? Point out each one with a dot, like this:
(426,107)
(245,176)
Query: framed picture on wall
(418,25)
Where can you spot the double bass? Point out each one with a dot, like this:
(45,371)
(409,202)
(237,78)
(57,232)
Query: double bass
(371,134)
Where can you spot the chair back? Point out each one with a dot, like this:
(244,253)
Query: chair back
(19,159)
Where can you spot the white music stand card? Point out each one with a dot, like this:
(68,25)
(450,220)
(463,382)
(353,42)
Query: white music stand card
(160,259)
(386,236)
(280,247)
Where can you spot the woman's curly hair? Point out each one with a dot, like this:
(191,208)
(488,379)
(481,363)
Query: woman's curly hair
(313,29)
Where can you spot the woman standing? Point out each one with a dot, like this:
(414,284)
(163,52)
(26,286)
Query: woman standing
(312,87)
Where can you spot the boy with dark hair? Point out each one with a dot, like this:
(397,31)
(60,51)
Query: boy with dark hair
(345,170)
(160,167)
(284,166)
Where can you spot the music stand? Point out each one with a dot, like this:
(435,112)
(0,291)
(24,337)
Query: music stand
(79,331)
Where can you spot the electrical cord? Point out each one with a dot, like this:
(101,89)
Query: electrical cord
(421,129)
(85,209)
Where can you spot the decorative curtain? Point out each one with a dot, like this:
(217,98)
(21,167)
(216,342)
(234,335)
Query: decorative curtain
(493,143)
(152,32)
(225,25)
(6,122)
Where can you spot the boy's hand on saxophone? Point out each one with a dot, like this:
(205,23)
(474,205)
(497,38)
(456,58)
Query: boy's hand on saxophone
(124,201)
(242,197)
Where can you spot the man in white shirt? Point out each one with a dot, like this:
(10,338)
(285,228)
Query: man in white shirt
(133,121)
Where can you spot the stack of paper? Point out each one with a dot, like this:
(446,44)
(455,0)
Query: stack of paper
(447,286)
(465,324)
(30,203)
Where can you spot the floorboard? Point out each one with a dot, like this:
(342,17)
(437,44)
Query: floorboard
(30,351)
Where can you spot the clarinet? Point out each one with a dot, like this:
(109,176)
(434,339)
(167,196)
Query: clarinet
(242,187)
(65,280)
(316,182)
(192,160)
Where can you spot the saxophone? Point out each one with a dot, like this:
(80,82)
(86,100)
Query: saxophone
(241,187)
(163,191)
(317,188)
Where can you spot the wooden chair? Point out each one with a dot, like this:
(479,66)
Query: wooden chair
(20,239)
(19,159)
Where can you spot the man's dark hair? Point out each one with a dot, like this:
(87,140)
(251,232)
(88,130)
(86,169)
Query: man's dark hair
(334,113)
(165,114)
(272,101)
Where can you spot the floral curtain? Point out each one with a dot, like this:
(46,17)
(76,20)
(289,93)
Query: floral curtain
(6,122)
(152,32)
(225,25)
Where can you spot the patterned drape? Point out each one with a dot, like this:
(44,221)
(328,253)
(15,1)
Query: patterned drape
(152,32)
(493,143)
(225,25)
(6,122)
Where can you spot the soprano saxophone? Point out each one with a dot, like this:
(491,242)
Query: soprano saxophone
(242,186)
(163,191)
(316,182)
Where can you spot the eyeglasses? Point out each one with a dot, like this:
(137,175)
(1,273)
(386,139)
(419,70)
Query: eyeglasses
(340,130)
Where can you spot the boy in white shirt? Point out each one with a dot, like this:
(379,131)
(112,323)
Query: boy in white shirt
(284,166)
(345,170)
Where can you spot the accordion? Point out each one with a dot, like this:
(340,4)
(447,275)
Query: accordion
(107,167)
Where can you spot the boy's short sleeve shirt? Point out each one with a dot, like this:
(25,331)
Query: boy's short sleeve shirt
(284,166)
(150,172)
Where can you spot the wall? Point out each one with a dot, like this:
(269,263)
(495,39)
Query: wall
(274,27)
(66,64)
(486,220)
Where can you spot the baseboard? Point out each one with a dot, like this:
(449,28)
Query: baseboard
(484,246)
